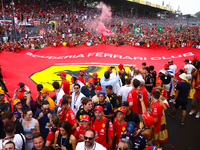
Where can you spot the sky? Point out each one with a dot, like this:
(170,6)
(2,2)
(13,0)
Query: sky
(186,6)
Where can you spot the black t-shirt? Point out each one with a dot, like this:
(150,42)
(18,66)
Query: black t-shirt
(153,74)
(166,79)
(196,63)
(183,88)
(139,141)
(107,107)
(83,112)
(149,80)
(114,100)
(132,117)
(18,127)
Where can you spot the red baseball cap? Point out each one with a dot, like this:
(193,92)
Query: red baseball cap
(100,108)
(98,87)
(148,120)
(90,80)
(120,109)
(95,74)
(85,117)
(166,66)
(121,66)
(160,81)
(63,74)
(82,70)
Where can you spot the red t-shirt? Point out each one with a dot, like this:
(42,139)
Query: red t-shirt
(82,79)
(145,98)
(68,116)
(156,112)
(197,92)
(119,129)
(51,135)
(133,97)
(101,129)
(164,92)
(80,132)
(65,86)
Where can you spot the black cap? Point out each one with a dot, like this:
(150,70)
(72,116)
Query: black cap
(187,60)
(39,87)
(125,104)
(21,84)
(64,101)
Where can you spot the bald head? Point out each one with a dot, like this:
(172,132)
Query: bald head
(136,71)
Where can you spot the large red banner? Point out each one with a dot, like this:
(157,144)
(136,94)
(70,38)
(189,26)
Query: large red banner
(36,66)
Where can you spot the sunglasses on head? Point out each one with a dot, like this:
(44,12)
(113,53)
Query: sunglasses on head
(88,138)
(119,148)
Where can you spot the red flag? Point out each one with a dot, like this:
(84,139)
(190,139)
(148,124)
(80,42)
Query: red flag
(102,37)
(123,30)
(87,32)
(170,37)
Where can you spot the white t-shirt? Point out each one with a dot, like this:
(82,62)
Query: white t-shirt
(97,146)
(123,92)
(138,77)
(189,68)
(173,68)
(59,96)
(113,75)
(17,140)
(76,103)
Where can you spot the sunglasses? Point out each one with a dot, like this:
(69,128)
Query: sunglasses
(88,138)
(76,88)
(119,147)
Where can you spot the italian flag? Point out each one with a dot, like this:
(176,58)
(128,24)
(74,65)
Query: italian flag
(137,30)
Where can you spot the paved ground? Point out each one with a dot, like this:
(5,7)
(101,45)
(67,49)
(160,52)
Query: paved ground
(183,137)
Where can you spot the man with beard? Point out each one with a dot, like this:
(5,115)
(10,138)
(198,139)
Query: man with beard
(81,77)
(89,142)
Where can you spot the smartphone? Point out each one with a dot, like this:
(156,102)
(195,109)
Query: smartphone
(56,145)
(139,95)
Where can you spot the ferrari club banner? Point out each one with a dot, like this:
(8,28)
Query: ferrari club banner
(41,66)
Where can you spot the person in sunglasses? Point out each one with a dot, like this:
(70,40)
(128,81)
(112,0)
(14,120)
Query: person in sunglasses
(43,115)
(124,144)
(89,142)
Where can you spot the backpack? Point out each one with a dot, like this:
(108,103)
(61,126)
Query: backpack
(23,147)
(107,126)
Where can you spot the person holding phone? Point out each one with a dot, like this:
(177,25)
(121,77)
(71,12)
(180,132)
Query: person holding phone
(64,139)
(30,126)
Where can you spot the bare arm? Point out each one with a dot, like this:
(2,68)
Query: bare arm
(110,139)
(74,126)
(73,141)
(37,127)
(176,95)
(28,100)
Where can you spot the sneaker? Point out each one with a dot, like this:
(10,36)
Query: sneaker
(171,115)
(182,123)
(192,112)
(197,115)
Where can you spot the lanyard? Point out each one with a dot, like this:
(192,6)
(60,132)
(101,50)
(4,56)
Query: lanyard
(64,141)
(9,138)
(75,99)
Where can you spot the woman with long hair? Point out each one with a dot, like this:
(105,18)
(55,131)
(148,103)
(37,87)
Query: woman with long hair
(30,126)
(64,139)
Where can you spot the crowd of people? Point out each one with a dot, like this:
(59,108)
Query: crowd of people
(81,28)
(120,110)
